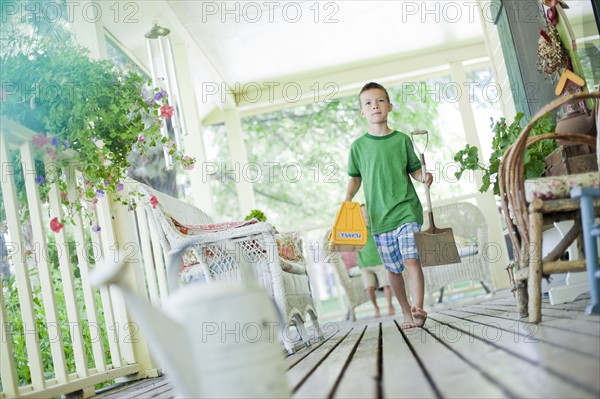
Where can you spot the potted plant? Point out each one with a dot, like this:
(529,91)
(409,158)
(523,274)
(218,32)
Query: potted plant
(504,136)
(85,112)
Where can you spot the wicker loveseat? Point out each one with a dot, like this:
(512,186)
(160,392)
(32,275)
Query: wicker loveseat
(471,235)
(218,254)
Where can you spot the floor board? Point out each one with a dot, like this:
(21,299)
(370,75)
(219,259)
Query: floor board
(480,349)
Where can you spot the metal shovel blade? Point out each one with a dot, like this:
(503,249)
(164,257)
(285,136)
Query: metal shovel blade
(437,247)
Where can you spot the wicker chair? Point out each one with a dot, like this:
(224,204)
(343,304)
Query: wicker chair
(526,218)
(471,232)
(219,254)
(352,285)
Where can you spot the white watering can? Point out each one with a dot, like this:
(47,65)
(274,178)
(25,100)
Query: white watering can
(214,340)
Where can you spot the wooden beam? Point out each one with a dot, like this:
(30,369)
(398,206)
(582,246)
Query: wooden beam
(554,268)
(255,98)
(561,205)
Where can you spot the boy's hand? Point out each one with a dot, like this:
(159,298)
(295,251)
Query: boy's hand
(428,179)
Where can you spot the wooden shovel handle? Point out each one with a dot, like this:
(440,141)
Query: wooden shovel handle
(427,195)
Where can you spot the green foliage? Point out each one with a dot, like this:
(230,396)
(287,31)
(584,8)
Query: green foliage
(504,136)
(256,214)
(86,112)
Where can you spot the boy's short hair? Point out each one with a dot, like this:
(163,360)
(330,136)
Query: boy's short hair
(370,86)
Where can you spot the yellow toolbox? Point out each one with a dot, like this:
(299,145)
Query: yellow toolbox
(349,233)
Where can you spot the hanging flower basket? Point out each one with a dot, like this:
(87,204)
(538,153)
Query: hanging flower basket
(85,112)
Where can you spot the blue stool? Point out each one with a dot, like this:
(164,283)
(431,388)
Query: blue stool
(590,232)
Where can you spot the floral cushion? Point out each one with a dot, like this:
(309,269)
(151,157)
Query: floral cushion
(289,246)
(289,249)
(556,187)
(191,229)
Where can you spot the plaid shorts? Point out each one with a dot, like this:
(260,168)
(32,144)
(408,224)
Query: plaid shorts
(397,246)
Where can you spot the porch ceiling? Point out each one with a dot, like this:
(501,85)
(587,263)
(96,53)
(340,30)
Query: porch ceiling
(326,34)
(230,44)
(286,41)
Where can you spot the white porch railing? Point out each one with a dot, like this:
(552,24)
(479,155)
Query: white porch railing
(58,334)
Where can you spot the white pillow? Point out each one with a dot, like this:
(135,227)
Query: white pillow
(467,249)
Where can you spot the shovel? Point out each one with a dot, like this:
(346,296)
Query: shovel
(436,246)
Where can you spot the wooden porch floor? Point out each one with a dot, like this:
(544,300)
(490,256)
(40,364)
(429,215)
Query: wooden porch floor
(475,350)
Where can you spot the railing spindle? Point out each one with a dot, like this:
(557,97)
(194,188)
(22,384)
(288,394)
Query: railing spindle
(43,266)
(9,192)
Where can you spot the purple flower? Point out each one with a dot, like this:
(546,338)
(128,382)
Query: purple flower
(96,229)
(66,144)
(55,141)
(99,193)
(149,101)
(40,179)
(160,95)
(120,187)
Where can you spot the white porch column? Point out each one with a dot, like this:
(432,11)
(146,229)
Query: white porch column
(497,252)
(239,159)
(498,64)
(88,28)
(193,142)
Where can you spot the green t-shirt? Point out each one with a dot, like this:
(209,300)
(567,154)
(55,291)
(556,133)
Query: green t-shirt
(369,256)
(385,163)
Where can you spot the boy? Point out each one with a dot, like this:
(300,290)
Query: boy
(383,159)
(372,270)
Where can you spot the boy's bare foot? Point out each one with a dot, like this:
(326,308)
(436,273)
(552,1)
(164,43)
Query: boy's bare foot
(419,316)
(391,310)
(408,321)
(408,324)
(377,314)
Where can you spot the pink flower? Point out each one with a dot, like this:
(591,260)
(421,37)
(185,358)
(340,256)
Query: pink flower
(188,162)
(55,225)
(93,203)
(166,111)
(39,140)
(153,201)
(141,138)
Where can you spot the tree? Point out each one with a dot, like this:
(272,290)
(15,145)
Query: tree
(297,156)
